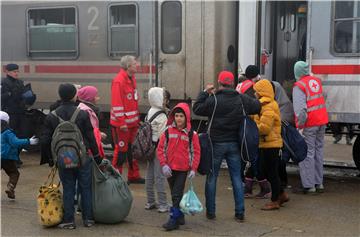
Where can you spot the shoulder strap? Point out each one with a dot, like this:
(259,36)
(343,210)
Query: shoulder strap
(57,116)
(155,115)
(212,116)
(191,147)
(74,116)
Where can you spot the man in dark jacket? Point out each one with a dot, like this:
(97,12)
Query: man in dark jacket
(68,177)
(224,133)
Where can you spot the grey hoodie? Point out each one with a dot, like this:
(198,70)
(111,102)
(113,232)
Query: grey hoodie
(156,101)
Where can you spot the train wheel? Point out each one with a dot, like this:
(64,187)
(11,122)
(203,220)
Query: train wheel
(356,152)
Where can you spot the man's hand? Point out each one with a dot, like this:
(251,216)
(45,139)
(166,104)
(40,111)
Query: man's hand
(210,89)
(124,128)
(191,174)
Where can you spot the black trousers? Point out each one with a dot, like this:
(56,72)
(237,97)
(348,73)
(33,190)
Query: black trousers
(177,184)
(269,162)
(11,170)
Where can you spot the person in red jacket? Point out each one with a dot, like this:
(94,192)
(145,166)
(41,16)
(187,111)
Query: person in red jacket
(178,155)
(124,117)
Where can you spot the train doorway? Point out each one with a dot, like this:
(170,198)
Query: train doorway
(290,38)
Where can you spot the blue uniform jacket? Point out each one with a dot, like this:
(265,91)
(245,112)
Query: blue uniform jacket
(10,145)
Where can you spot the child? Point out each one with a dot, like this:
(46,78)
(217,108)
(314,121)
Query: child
(269,125)
(158,100)
(9,153)
(177,156)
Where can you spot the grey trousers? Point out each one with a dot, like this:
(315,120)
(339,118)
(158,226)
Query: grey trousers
(311,169)
(155,177)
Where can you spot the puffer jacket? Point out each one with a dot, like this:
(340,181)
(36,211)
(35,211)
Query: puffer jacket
(157,103)
(269,120)
(10,144)
(176,151)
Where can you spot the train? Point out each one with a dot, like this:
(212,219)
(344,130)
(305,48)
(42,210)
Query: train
(183,45)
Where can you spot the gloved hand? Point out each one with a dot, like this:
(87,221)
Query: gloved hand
(166,171)
(34,140)
(191,174)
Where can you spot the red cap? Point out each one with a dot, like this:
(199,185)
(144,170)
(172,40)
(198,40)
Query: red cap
(226,78)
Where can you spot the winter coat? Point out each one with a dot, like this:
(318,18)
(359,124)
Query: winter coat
(269,121)
(65,111)
(10,144)
(285,105)
(228,114)
(156,101)
(11,95)
(175,152)
(124,101)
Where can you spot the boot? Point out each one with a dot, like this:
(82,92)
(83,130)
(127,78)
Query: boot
(265,191)
(271,206)
(284,197)
(10,191)
(172,223)
(248,188)
(181,219)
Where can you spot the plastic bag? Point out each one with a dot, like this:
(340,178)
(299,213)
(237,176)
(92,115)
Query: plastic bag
(190,203)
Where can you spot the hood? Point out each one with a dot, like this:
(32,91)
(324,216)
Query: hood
(301,69)
(156,97)
(186,109)
(264,89)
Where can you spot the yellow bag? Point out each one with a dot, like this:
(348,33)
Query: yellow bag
(50,203)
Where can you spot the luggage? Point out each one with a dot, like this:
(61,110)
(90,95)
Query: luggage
(295,146)
(111,196)
(50,203)
(190,203)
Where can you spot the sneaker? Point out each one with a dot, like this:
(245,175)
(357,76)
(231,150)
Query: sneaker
(150,206)
(309,190)
(271,206)
(89,223)
(210,216)
(136,181)
(68,226)
(319,188)
(10,194)
(239,217)
(163,209)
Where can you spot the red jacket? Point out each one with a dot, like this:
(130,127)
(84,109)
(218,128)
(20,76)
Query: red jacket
(244,86)
(176,153)
(124,101)
(315,102)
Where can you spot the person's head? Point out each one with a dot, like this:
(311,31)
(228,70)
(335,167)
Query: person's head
(88,94)
(241,78)
(252,73)
(129,64)
(12,70)
(301,69)
(263,88)
(4,117)
(67,92)
(226,79)
(179,118)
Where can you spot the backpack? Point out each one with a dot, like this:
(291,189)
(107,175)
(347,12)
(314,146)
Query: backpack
(143,148)
(295,146)
(67,145)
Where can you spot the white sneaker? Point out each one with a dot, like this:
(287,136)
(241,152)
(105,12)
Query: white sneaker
(319,188)
(150,206)
(163,209)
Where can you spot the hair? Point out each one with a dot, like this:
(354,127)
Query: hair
(178,110)
(167,94)
(126,61)
(226,85)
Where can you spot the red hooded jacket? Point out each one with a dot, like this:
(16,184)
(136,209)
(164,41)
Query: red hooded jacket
(176,154)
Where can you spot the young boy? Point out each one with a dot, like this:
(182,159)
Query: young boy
(158,100)
(177,156)
(10,145)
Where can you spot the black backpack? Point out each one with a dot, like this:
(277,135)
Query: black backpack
(143,148)
(67,144)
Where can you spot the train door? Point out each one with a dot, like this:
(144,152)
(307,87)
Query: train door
(171,65)
(290,38)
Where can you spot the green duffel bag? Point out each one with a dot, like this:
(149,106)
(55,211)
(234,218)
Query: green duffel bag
(111,196)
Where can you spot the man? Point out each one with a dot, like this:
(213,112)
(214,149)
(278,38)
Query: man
(68,177)
(224,134)
(124,117)
(311,116)
(12,89)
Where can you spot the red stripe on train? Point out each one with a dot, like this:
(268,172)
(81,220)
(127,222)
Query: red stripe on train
(336,69)
(86,69)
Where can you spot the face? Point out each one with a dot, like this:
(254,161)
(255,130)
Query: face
(180,120)
(96,99)
(132,69)
(14,74)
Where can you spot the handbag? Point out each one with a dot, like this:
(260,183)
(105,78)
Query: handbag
(190,203)
(206,148)
(50,203)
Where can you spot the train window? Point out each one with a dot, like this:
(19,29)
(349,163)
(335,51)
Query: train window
(346,28)
(282,22)
(52,33)
(171,27)
(123,30)
(293,22)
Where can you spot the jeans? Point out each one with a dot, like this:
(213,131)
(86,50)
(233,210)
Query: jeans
(68,179)
(231,153)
